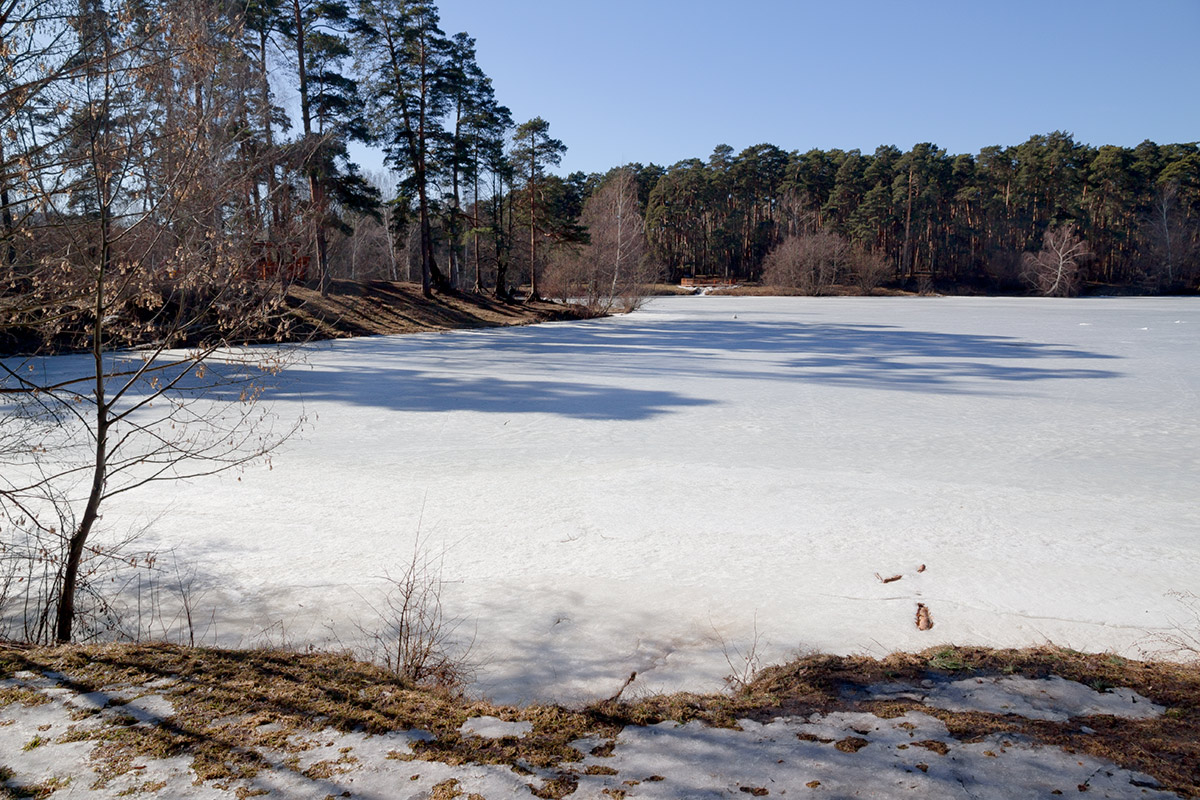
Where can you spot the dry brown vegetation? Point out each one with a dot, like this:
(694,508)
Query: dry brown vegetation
(225,698)
(837,289)
(354,308)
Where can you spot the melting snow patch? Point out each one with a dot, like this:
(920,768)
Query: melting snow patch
(149,709)
(1054,699)
(845,754)
(92,701)
(494,728)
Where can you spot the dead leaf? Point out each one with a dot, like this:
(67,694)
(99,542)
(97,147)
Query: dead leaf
(924,620)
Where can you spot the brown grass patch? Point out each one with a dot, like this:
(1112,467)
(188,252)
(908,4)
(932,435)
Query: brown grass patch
(354,308)
(840,290)
(224,699)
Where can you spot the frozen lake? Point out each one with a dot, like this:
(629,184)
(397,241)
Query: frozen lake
(647,492)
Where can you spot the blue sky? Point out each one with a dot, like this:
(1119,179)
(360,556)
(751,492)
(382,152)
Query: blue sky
(664,80)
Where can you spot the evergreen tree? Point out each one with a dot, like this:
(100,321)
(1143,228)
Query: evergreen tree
(330,117)
(534,150)
(407,57)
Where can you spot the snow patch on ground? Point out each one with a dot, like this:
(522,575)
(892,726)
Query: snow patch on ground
(1052,698)
(843,753)
(494,728)
(846,755)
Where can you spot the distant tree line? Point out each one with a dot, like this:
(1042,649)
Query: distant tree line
(928,217)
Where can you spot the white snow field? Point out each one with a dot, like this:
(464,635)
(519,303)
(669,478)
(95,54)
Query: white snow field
(716,479)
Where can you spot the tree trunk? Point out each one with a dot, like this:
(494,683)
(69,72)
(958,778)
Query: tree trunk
(268,135)
(7,215)
(316,193)
(533,288)
(906,257)
(65,619)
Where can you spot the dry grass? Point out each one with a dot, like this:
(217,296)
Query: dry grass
(838,290)
(1167,748)
(669,290)
(352,308)
(225,698)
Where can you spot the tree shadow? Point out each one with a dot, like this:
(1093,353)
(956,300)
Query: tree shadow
(858,355)
(420,391)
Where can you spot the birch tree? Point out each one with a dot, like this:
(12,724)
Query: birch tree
(1054,270)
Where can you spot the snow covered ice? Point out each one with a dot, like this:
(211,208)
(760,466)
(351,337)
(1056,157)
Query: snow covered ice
(716,479)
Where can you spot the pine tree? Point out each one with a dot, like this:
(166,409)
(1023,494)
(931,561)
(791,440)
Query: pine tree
(330,116)
(534,150)
(406,55)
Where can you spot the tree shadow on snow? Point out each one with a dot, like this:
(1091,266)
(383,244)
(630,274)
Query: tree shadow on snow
(417,390)
(868,356)
(864,355)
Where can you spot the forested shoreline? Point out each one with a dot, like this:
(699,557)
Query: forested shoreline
(185,160)
(935,218)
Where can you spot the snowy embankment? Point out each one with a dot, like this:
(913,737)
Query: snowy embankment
(660,491)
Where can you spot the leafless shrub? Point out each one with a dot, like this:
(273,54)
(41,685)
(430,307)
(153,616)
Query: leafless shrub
(109,601)
(611,272)
(417,640)
(124,592)
(1169,236)
(870,268)
(810,262)
(744,663)
(1184,640)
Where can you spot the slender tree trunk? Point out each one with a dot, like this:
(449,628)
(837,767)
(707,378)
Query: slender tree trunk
(268,137)
(907,256)
(316,192)
(475,227)
(426,239)
(65,617)
(533,288)
(503,240)
(7,215)
(391,242)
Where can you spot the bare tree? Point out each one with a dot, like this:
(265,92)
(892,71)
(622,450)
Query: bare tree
(612,270)
(1170,243)
(870,268)
(141,236)
(810,262)
(1054,270)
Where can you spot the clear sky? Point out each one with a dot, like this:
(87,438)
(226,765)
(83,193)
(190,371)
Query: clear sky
(665,80)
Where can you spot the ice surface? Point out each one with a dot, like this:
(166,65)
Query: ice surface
(657,492)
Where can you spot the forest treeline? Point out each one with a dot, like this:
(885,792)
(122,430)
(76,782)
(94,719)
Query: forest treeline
(931,217)
(185,145)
